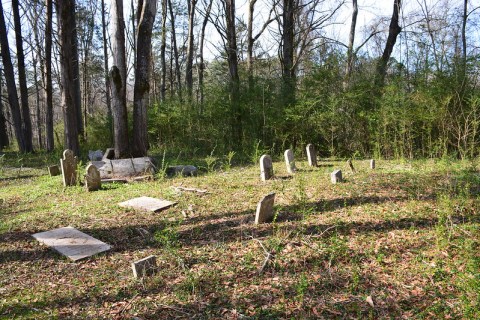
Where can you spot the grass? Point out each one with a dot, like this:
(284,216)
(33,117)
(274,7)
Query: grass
(407,234)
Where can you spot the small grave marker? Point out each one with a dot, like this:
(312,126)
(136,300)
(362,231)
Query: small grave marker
(54,170)
(144,267)
(147,203)
(266,167)
(372,164)
(290,161)
(336,176)
(92,178)
(72,243)
(311,155)
(264,211)
(69,168)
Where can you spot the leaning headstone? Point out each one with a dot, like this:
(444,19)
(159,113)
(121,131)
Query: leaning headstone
(144,267)
(311,155)
(290,161)
(264,211)
(372,164)
(92,178)
(336,176)
(53,170)
(147,203)
(266,167)
(109,154)
(69,168)
(72,243)
(350,164)
(96,155)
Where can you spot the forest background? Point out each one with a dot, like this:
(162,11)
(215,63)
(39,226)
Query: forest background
(246,77)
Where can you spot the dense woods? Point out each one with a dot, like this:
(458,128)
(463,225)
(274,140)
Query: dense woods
(211,76)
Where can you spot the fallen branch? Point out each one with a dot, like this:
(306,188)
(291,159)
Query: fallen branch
(268,255)
(190,189)
(323,232)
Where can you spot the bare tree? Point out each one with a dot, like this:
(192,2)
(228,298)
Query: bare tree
(190,48)
(163,45)
(4,140)
(351,41)
(146,17)
(68,59)
(201,64)
(105,62)
(48,78)
(175,51)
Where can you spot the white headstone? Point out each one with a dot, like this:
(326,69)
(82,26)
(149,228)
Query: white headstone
(264,211)
(266,167)
(144,267)
(290,161)
(336,176)
(311,155)
(372,164)
(69,168)
(92,178)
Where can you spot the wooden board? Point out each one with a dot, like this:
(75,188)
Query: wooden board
(147,203)
(72,243)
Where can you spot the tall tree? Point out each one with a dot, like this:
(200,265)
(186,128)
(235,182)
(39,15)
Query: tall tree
(68,59)
(118,74)
(288,50)
(105,62)
(190,48)
(146,18)
(22,78)
(11,86)
(163,45)
(175,51)
(201,64)
(4,141)
(50,144)
(351,41)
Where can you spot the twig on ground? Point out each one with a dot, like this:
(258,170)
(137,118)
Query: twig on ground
(190,189)
(268,255)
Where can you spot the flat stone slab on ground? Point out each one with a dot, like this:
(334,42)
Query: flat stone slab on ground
(144,267)
(72,243)
(147,203)
(123,168)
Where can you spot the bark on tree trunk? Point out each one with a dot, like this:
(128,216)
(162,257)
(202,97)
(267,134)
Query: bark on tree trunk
(76,74)
(201,67)
(350,54)
(105,63)
(50,143)
(142,76)
(118,74)
(175,52)
(163,86)
(22,79)
(68,59)
(288,72)
(4,141)
(190,47)
(37,104)
(11,86)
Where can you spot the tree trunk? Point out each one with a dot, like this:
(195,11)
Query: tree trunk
(142,76)
(22,79)
(118,74)
(190,48)
(37,103)
(175,52)
(236,118)
(163,45)
(350,54)
(4,141)
(201,68)
(68,59)
(393,32)
(50,144)
(105,62)
(250,42)
(76,75)
(11,86)
(288,49)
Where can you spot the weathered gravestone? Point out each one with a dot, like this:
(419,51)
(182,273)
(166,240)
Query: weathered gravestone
(372,164)
(266,167)
(144,267)
(290,161)
(92,178)
(69,168)
(336,176)
(109,154)
(96,155)
(147,203)
(311,155)
(186,171)
(53,170)
(130,167)
(264,211)
(72,243)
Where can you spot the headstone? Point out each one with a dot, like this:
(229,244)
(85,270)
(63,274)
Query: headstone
(69,168)
(186,171)
(54,170)
(266,167)
(147,203)
(96,155)
(92,178)
(264,211)
(336,176)
(290,161)
(72,243)
(109,154)
(311,155)
(144,267)
(121,168)
(372,164)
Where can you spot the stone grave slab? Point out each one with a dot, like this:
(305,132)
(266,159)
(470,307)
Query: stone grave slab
(72,243)
(147,203)
(53,171)
(372,164)
(290,161)
(264,211)
(336,176)
(266,167)
(144,267)
(311,155)
(92,178)
(69,168)
(96,155)
(123,168)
